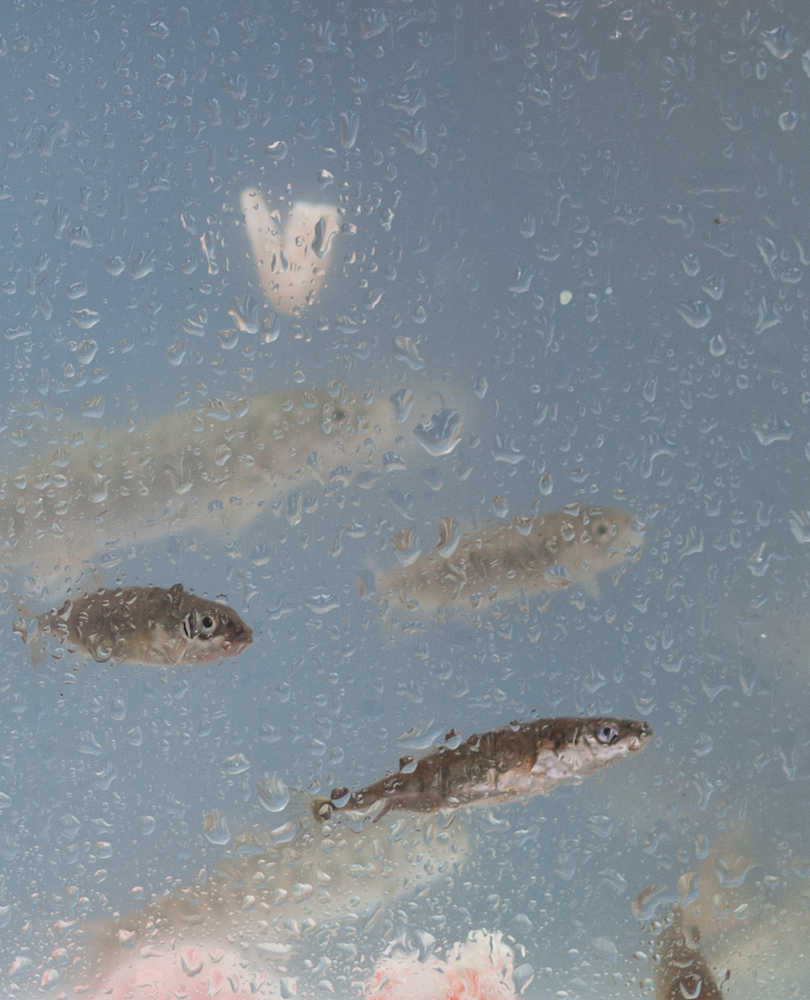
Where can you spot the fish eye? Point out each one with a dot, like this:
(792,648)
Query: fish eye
(602,529)
(339,414)
(607,734)
(207,626)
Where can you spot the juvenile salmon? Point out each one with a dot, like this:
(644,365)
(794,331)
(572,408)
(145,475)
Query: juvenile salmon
(516,762)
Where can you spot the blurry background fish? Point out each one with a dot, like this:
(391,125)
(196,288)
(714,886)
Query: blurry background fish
(276,890)
(504,561)
(214,469)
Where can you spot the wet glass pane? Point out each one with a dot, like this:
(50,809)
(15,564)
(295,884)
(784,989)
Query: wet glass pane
(405,500)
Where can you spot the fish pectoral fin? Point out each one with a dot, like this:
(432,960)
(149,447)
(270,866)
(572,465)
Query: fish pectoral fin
(387,807)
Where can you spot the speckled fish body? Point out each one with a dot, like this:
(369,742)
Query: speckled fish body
(681,970)
(214,469)
(516,762)
(152,626)
(527,556)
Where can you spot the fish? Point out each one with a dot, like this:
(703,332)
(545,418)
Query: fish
(274,890)
(150,626)
(506,560)
(681,971)
(213,468)
(510,764)
(292,263)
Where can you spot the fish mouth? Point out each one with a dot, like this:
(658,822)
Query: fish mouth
(240,641)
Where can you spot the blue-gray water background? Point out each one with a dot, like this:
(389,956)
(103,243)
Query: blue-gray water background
(650,160)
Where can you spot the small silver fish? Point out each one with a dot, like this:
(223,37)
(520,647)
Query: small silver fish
(152,626)
(504,560)
(513,763)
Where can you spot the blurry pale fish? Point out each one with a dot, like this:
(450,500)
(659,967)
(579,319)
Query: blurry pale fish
(214,467)
(681,971)
(152,626)
(274,890)
(505,765)
(505,560)
(292,261)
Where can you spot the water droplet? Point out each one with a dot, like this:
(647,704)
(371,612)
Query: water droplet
(349,125)
(697,314)
(373,22)
(215,829)
(406,547)
(93,407)
(788,121)
(191,960)
(236,764)
(407,350)
(714,286)
(441,434)
(277,151)
(717,346)
(86,350)
(545,484)
(528,226)
(690,986)
(448,537)
(402,401)
(650,389)
(322,603)
(271,328)
(142,264)
(772,431)
(778,41)
(806,62)
(49,977)
(20,962)
(273,793)
(691,265)
(800,526)
(76,290)
(86,318)
(148,824)
(565,297)
(501,507)
(522,281)
(480,386)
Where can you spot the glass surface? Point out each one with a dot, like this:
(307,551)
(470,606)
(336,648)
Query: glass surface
(295,299)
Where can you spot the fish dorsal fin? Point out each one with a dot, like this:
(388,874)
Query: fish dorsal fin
(176,592)
(451,734)
(405,760)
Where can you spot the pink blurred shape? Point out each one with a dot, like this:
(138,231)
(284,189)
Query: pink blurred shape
(481,968)
(189,972)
